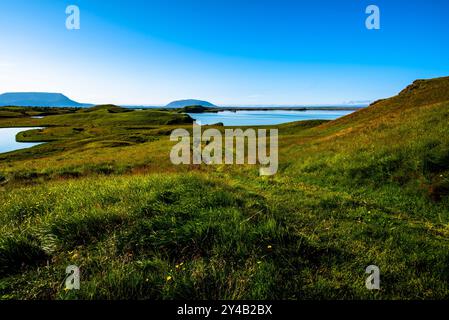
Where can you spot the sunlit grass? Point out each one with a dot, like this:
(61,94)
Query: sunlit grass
(369,188)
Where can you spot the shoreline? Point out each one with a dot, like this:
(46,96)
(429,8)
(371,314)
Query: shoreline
(199,109)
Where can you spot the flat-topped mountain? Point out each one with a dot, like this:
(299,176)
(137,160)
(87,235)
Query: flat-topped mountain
(189,102)
(38,99)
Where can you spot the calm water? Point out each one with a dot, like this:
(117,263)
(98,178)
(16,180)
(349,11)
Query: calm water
(8,139)
(270,117)
(239,118)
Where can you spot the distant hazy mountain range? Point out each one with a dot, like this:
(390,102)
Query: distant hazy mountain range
(38,99)
(46,99)
(189,102)
(358,102)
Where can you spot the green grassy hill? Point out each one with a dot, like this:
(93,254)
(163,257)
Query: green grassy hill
(402,141)
(369,188)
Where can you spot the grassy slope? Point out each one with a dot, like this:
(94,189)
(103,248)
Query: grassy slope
(370,188)
(95,140)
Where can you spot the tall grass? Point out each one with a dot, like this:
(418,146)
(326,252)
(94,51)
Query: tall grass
(369,188)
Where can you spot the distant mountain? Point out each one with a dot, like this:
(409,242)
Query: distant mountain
(38,99)
(189,102)
(358,102)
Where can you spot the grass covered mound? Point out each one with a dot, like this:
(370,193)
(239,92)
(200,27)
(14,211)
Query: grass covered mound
(369,188)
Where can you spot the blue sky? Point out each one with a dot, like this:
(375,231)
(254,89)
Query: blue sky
(229,52)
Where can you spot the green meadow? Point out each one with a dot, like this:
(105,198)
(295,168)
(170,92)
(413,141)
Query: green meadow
(371,188)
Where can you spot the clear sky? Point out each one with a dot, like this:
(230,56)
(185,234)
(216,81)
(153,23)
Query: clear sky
(229,52)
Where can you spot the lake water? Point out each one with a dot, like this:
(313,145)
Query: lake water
(269,117)
(8,141)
